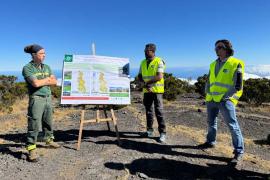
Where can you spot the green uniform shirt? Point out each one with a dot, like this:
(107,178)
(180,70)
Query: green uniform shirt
(32,71)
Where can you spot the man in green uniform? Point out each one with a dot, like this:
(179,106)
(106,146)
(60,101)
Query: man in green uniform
(39,78)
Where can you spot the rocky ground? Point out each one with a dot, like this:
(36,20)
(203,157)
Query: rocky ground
(100,156)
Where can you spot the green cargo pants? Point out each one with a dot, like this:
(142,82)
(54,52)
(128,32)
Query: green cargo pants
(39,115)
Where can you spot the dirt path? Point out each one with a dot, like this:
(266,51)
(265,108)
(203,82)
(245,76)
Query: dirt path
(137,158)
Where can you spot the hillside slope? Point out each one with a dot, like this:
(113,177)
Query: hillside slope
(101,158)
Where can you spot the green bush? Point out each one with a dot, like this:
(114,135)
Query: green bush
(7,96)
(256,91)
(20,90)
(174,87)
(200,84)
(56,91)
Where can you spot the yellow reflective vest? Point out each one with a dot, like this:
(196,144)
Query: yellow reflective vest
(150,73)
(219,85)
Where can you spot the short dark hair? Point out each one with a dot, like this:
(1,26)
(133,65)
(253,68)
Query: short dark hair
(228,46)
(150,46)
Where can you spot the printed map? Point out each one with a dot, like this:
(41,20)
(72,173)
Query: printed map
(91,79)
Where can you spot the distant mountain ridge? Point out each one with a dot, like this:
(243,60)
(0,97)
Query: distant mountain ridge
(260,70)
(251,71)
(251,76)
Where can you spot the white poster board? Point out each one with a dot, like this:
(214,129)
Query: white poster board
(90,79)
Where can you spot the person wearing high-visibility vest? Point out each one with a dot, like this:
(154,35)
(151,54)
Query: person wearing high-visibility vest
(223,90)
(151,74)
(39,78)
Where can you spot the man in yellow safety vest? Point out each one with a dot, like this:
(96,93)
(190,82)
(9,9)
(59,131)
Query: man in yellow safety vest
(151,74)
(223,90)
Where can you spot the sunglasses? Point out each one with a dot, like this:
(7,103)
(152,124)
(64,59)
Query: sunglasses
(220,47)
(147,50)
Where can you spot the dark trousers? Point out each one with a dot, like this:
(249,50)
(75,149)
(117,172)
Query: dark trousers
(157,99)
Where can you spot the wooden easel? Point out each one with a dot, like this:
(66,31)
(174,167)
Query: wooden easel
(98,120)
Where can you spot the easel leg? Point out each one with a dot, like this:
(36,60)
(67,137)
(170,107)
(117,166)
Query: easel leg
(81,128)
(108,125)
(106,116)
(115,125)
(97,118)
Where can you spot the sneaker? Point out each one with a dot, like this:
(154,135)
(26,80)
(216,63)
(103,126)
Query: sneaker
(51,144)
(206,145)
(148,134)
(33,155)
(162,138)
(236,159)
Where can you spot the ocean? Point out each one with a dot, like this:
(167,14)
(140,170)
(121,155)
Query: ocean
(179,72)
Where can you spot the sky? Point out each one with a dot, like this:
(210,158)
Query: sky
(184,31)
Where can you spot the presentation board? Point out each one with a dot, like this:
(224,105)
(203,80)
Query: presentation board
(90,79)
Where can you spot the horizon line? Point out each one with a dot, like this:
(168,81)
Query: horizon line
(137,67)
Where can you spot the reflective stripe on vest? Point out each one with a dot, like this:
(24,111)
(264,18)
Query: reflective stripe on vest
(221,85)
(215,93)
(31,147)
(150,72)
(148,77)
(236,97)
(223,82)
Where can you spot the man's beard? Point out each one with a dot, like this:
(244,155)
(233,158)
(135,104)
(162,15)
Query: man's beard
(148,57)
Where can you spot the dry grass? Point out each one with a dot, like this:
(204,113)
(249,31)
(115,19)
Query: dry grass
(166,102)
(20,105)
(62,113)
(198,135)
(18,119)
(187,107)
(14,123)
(223,146)
(2,141)
(265,108)
(137,114)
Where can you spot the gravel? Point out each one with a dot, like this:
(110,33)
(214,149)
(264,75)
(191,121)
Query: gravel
(100,157)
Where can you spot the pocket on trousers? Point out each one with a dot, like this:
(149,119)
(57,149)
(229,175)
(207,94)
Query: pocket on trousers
(229,105)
